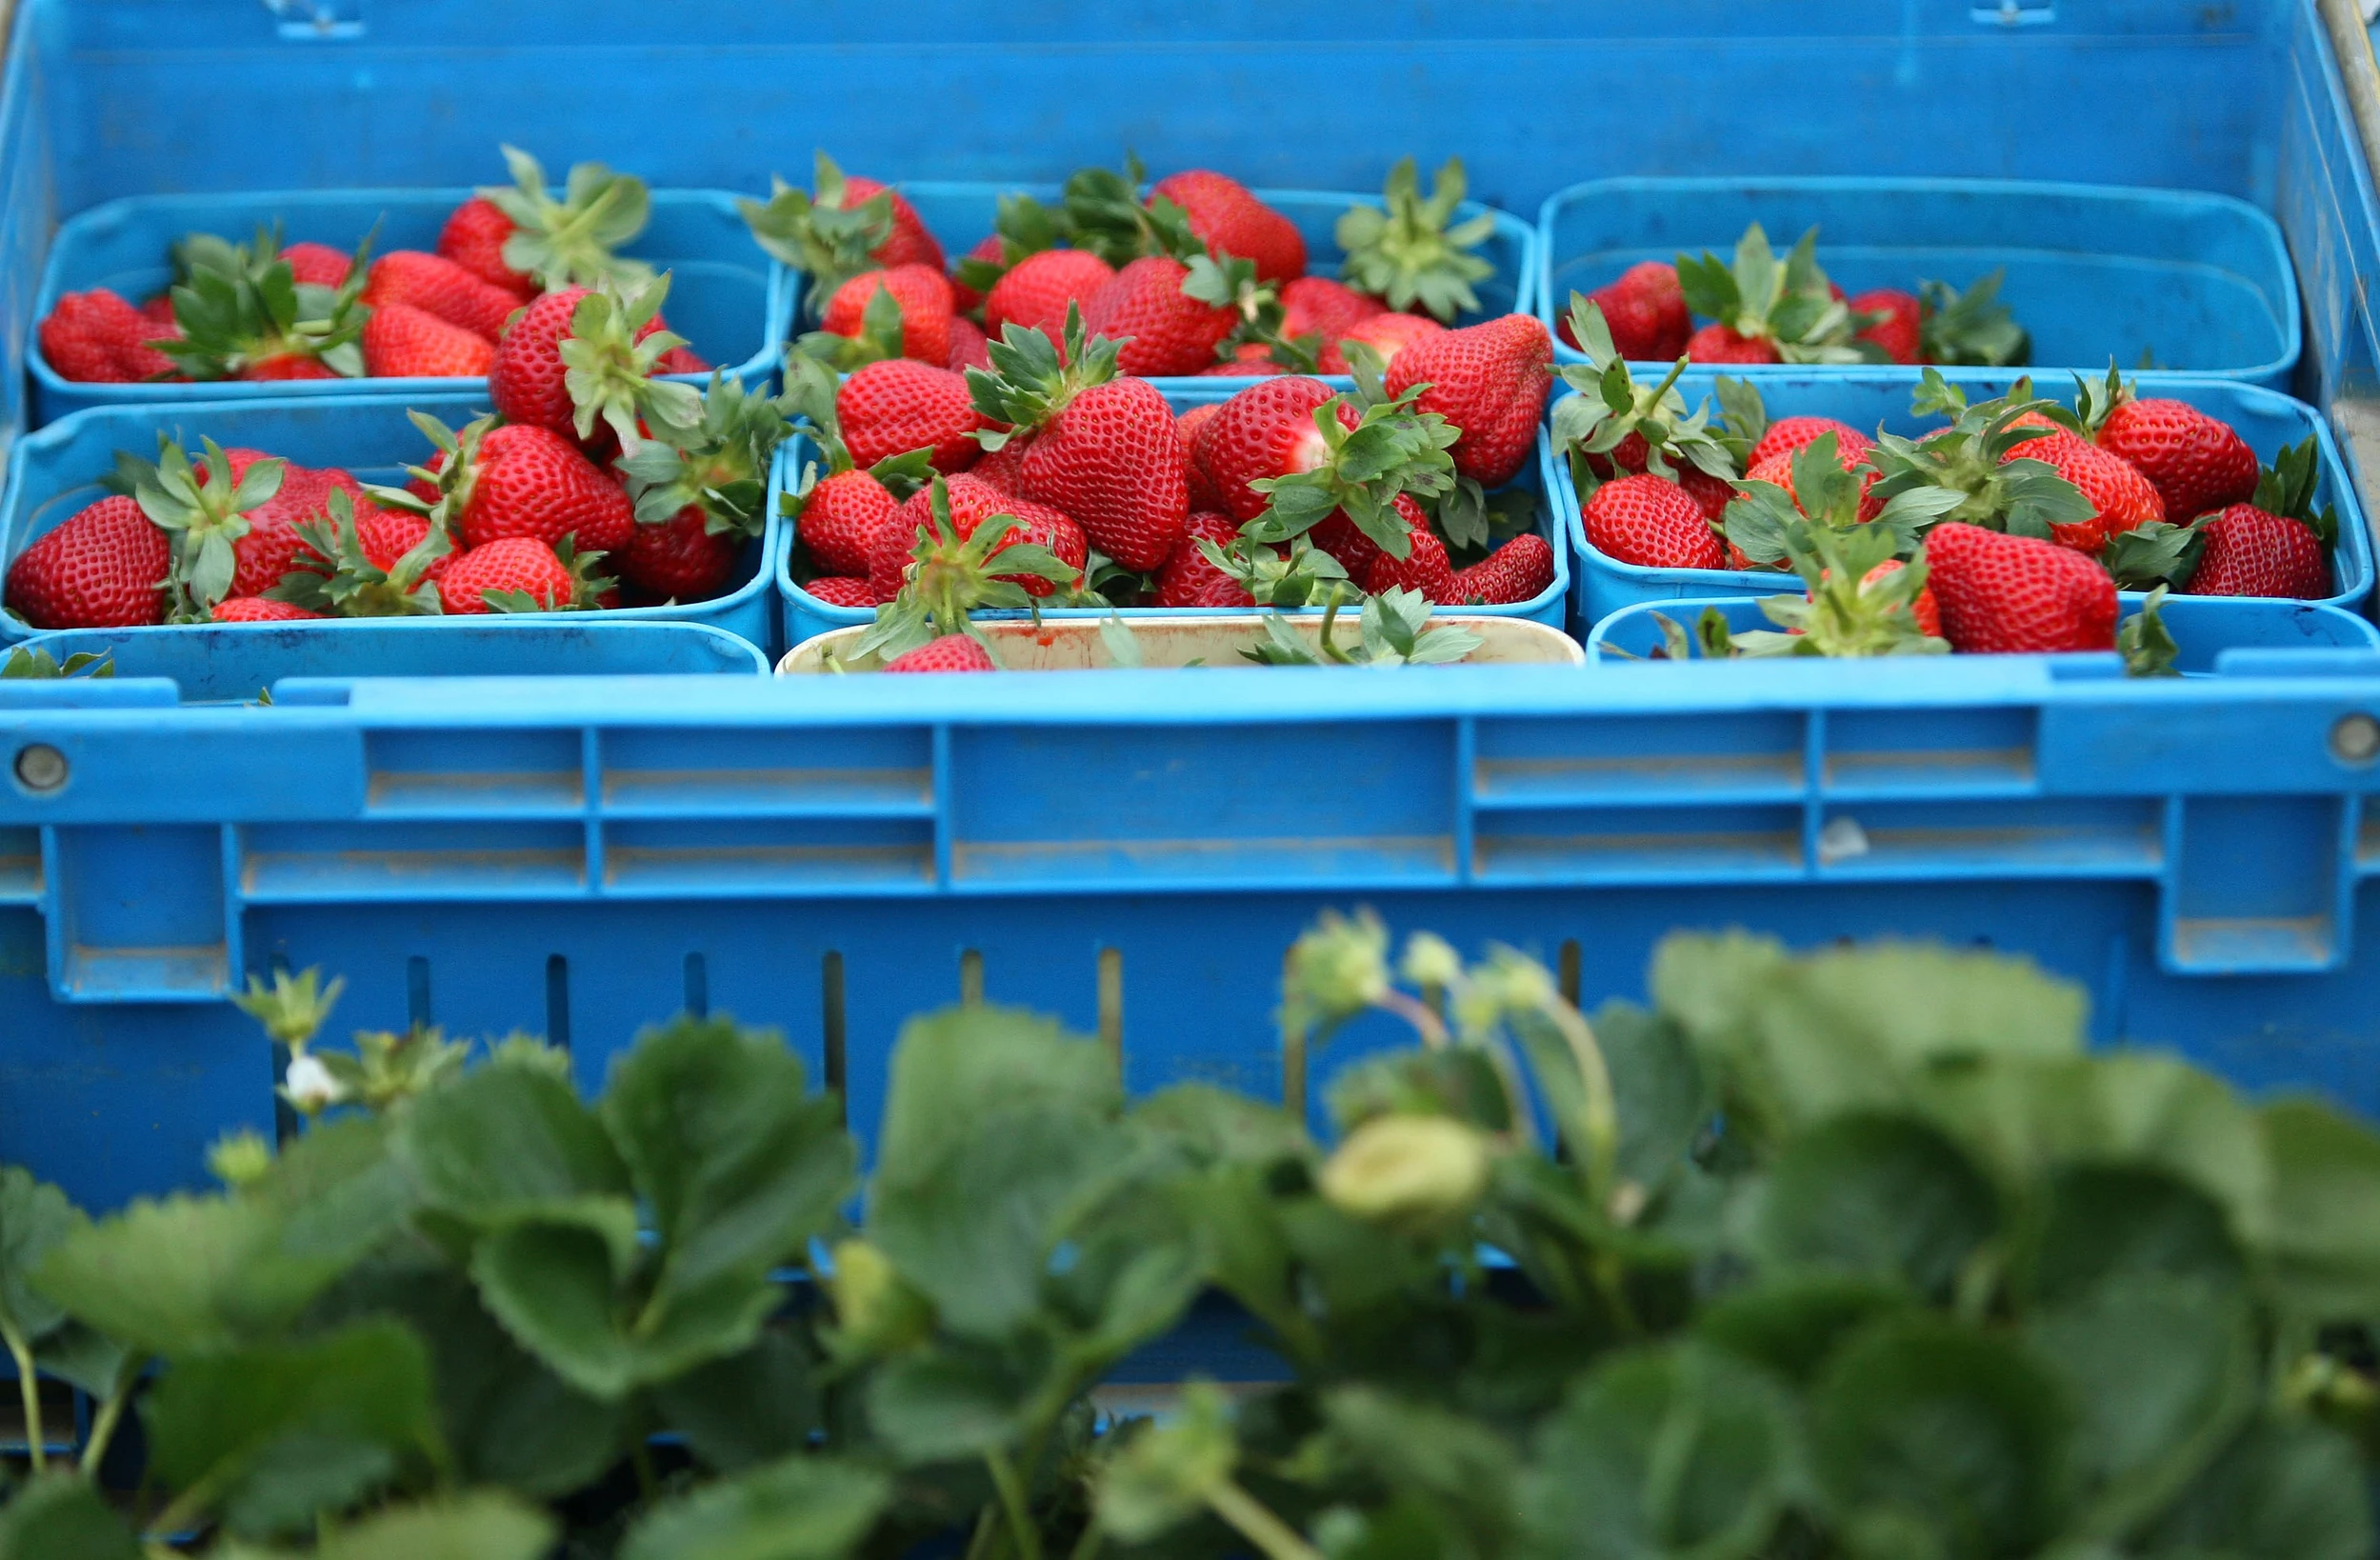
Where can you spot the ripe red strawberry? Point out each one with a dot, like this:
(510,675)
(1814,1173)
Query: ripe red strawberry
(382,537)
(96,337)
(1779,470)
(473,238)
(438,286)
(889,408)
(1926,610)
(617,342)
(1345,540)
(1716,343)
(876,227)
(1159,329)
(972,501)
(518,480)
(1646,310)
(841,517)
(1387,334)
(1251,360)
(2253,552)
(1491,381)
(1189,579)
(951,652)
(1901,331)
(1324,306)
(104,566)
(1004,468)
(157,310)
(318,265)
(2002,594)
(526,378)
(1038,289)
(1186,423)
(924,294)
(1521,569)
(287,366)
(1229,219)
(1105,451)
(1650,521)
(911,243)
(677,559)
(842,591)
(2198,464)
(969,347)
(507,564)
(2124,498)
(1425,567)
(260,610)
(401,342)
(272,545)
(1265,430)
(992,249)
(1787,434)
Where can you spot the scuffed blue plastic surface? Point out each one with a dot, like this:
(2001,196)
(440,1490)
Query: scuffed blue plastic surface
(54,475)
(2152,279)
(722,286)
(1871,398)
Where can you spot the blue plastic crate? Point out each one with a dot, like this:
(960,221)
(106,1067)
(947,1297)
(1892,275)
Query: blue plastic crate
(806,615)
(2206,628)
(1869,398)
(1134,851)
(960,216)
(54,473)
(722,292)
(231,662)
(2154,279)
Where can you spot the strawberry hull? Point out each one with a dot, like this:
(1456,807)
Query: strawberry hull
(723,290)
(2206,628)
(1869,397)
(52,476)
(2197,284)
(806,616)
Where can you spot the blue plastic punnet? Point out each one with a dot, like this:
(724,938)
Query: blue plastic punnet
(2156,280)
(54,473)
(1871,398)
(722,287)
(806,615)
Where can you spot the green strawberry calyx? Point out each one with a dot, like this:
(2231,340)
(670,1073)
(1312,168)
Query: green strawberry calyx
(1393,449)
(1973,328)
(240,305)
(451,479)
(356,586)
(1607,406)
(2022,496)
(1765,519)
(1104,212)
(1789,301)
(1845,613)
(1410,250)
(879,340)
(1029,381)
(572,242)
(587,585)
(203,519)
(720,462)
(952,575)
(821,235)
(1024,227)
(609,373)
(1393,629)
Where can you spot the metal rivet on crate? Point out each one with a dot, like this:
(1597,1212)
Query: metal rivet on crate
(40,767)
(2355,739)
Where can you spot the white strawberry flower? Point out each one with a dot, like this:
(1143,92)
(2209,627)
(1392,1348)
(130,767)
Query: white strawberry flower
(309,1085)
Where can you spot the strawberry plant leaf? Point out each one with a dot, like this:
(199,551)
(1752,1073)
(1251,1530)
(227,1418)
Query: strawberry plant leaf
(750,1408)
(804,1508)
(1877,1197)
(2326,1187)
(511,1141)
(2287,1487)
(941,1406)
(481,1525)
(1789,1323)
(58,1516)
(2146,644)
(35,1219)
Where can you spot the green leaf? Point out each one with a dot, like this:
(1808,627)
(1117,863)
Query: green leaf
(1158,1477)
(800,1509)
(2286,1489)
(1924,1425)
(1676,1453)
(1790,1324)
(508,1142)
(1418,1448)
(60,1518)
(2325,1208)
(186,1275)
(1879,1197)
(35,1217)
(746,1408)
(936,1406)
(2101,1223)
(280,1432)
(479,1525)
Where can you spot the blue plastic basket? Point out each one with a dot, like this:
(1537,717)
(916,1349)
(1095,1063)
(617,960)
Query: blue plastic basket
(1869,398)
(53,474)
(961,214)
(806,615)
(2206,628)
(2155,279)
(722,288)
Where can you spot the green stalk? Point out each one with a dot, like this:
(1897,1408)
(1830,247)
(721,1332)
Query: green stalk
(1255,1521)
(29,1387)
(1012,1500)
(111,1413)
(1087,1546)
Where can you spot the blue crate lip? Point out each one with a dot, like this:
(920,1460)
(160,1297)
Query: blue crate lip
(959,214)
(2200,266)
(806,616)
(2211,631)
(341,217)
(1606,585)
(53,474)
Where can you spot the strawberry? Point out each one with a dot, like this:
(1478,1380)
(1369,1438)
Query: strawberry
(2198,463)
(1521,569)
(1898,332)
(970,349)
(96,337)
(241,315)
(1265,430)
(1386,334)
(261,610)
(1424,567)
(842,591)
(2121,498)
(1764,309)
(949,570)
(1925,611)
(549,244)
(318,265)
(1612,426)
(989,251)
(887,408)
(401,342)
(361,560)
(1190,578)
(925,299)
(847,225)
(701,488)
(1316,306)
(1645,312)
(1489,381)
(1650,521)
(511,573)
(1104,451)
(233,525)
(517,479)
(157,310)
(2001,594)
(1851,455)
(1185,424)
(583,357)
(1345,540)
(438,286)
(1229,219)
(1157,327)
(951,652)
(972,501)
(1251,360)
(473,238)
(1723,344)
(677,559)
(271,545)
(1004,468)
(2250,551)
(839,518)
(1858,600)
(1036,291)
(1986,468)
(104,567)
(1787,434)
(291,365)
